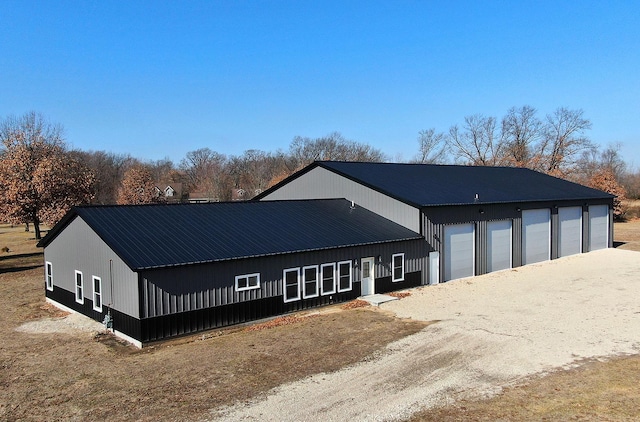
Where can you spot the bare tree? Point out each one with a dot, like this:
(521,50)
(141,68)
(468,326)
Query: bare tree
(432,147)
(40,180)
(521,132)
(205,171)
(563,141)
(254,170)
(332,147)
(477,142)
(109,169)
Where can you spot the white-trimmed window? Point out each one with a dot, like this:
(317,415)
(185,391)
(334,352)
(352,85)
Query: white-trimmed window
(291,284)
(328,277)
(397,261)
(48,275)
(79,287)
(310,281)
(344,276)
(247,282)
(97,294)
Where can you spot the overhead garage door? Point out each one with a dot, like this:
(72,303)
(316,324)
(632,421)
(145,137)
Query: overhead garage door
(459,251)
(570,231)
(598,227)
(536,235)
(498,245)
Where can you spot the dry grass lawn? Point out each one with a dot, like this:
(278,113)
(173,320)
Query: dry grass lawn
(85,377)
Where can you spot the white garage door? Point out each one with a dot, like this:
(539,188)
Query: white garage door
(598,227)
(570,231)
(459,251)
(536,235)
(498,245)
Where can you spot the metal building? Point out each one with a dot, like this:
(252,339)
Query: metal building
(159,271)
(474,219)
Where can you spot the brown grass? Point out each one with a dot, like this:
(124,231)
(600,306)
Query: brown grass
(596,391)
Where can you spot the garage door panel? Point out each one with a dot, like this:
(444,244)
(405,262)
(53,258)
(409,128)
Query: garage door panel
(459,251)
(499,250)
(598,227)
(569,231)
(536,235)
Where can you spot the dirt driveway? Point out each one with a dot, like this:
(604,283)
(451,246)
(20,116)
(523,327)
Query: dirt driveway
(493,331)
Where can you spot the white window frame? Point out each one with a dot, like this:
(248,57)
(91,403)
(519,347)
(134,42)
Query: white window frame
(48,275)
(79,297)
(249,286)
(393,267)
(95,293)
(331,265)
(316,293)
(349,265)
(284,284)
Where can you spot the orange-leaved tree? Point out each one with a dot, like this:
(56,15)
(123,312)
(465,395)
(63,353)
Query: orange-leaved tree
(137,187)
(40,181)
(605,180)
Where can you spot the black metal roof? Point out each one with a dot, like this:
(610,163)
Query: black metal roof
(424,185)
(153,236)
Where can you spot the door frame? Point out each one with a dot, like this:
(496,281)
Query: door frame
(372,276)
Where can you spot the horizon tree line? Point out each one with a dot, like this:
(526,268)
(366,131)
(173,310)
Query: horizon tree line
(41,179)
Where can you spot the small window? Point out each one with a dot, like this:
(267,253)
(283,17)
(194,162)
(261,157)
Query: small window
(79,288)
(49,275)
(97,294)
(291,284)
(247,282)
(398,267)
(328,276)
(344,276)
(310,282)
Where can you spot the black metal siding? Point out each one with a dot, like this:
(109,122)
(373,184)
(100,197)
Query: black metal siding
(121,322)
(434,219)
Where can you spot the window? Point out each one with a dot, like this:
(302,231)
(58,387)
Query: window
(328,276)
(97,294)
(310,282)
(291,281)
(79,288)
(247,282)
(398,267)
(49,275)
(344,276)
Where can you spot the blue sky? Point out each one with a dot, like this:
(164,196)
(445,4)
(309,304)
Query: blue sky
(157,79)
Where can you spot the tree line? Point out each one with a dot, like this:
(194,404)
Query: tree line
(41,178)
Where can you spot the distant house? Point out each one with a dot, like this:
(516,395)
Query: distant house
(224,263)
(169,193)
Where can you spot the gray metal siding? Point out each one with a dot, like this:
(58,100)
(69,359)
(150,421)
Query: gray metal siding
(320,183)
(183,289)
(79,248)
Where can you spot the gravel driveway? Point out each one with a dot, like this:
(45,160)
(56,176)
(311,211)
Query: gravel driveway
(492,331)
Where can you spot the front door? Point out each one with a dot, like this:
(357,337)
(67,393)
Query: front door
(367,276)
